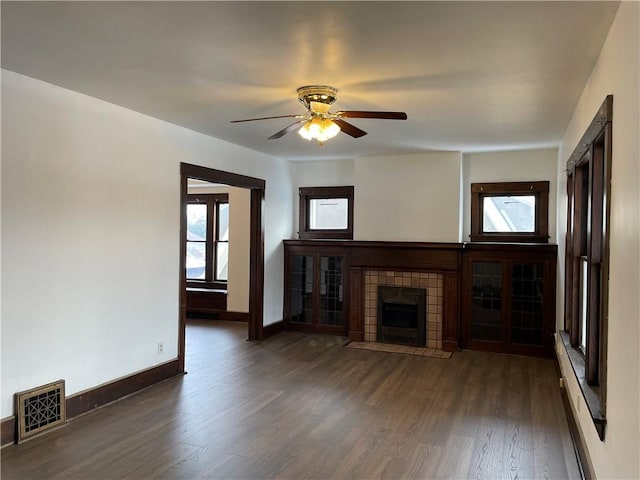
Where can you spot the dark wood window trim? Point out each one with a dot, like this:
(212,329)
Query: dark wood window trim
(311,193)
(481,190)
(587,248)
(213,202)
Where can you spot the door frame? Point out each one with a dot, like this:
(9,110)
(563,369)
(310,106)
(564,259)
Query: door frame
(256,246)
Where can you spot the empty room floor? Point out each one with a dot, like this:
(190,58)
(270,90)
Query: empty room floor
(303,406)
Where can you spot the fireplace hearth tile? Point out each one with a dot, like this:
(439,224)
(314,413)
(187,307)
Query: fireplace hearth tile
(400,349)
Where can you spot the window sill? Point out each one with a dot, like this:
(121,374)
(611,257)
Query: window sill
(590,394)
(497,237)
(195,284)
(326,235)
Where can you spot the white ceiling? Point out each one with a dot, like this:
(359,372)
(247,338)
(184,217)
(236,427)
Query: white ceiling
(472,76)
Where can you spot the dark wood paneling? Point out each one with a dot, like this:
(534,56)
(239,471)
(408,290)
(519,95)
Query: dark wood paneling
(184,191)
(214,315)
(356,306)
(206,300)
(602,119)
(233,316)
(403,258)
(107,393)
(228,178)
(451,312)
(256,265)
(392,255)
(8,431)
(272,329)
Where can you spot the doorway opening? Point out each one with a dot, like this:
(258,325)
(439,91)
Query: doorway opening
(256,187)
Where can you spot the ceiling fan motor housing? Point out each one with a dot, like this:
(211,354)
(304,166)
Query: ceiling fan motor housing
(317,93)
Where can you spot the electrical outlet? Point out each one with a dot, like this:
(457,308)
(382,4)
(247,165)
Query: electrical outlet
(561,382)
(160,348)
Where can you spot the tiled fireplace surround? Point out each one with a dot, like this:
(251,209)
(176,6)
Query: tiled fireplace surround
(432,282)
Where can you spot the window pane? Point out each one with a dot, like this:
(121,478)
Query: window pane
(328,213)
(222,259)
(583,307)
(196,260)
(223,222)
(196,222)
(509,214)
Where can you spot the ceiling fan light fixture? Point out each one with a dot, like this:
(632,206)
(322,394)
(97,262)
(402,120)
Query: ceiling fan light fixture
(320,129)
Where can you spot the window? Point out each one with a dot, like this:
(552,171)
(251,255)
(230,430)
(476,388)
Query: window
(326,212)
(207,239)
(587,260)
(510,212)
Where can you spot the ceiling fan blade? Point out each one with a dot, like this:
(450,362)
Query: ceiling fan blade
(267,118)
(284,131)
(364,114)
(349,129)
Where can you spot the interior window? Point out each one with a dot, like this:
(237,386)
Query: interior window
(326,212)
(510,212)
(207,249)
(196,240)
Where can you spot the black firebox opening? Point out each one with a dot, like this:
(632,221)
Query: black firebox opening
(399,315)
(402,315)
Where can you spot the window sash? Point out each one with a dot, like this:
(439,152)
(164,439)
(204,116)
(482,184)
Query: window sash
(215,275)
(309,194)
(480,192)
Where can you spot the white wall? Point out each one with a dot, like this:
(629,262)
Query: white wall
(396,198)
(408,197)
(239,249)
(90,234)
(513,166)
(616,72)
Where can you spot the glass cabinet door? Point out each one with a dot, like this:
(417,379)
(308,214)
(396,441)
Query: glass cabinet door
(331,308)
(486,304)
(527,305)
(302,289)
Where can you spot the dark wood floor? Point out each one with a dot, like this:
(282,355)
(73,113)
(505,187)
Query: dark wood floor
(301,406)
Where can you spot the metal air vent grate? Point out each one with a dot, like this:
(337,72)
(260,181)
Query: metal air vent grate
(40,409)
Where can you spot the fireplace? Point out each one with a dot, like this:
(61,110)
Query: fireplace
(401,315)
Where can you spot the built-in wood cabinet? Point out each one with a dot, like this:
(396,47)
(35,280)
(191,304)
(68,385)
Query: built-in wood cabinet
(490,296)
(317,290)
(508,298)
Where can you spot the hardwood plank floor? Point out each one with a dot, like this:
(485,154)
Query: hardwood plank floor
(301,406)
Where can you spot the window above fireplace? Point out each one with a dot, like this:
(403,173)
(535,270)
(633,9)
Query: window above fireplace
(326,213)
(510,212)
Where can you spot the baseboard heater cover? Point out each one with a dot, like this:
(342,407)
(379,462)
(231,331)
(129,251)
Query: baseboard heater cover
(40,409)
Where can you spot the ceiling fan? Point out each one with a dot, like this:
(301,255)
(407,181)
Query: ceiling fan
(321,124)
